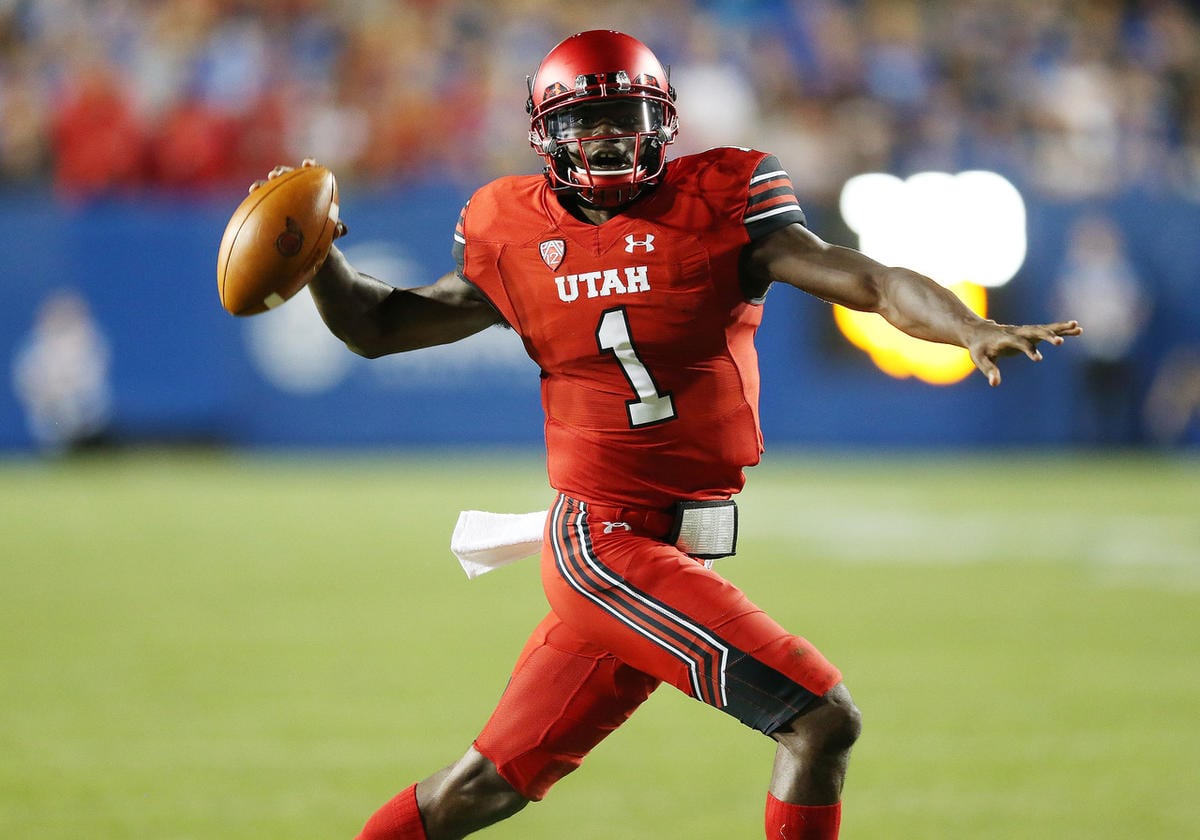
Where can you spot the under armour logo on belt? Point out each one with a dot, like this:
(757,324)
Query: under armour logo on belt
(609,527)
(631,243)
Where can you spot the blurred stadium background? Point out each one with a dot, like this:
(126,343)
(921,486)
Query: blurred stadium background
(207,621)
(131,129)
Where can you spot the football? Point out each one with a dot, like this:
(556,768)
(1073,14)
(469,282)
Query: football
(276,239)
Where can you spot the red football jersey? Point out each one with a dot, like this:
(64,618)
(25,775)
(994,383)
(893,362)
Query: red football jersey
(644,338)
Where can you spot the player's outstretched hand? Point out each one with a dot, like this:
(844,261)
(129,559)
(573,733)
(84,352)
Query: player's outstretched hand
(994,340)
(339,231)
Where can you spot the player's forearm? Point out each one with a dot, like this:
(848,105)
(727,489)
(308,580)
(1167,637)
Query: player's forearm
(908,300)
(924,309)
(349,301)
(375,319)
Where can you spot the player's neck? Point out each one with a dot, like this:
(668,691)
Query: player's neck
(589,213)
(594,215)
(586,213)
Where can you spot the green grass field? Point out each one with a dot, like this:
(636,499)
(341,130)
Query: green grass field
(205,645)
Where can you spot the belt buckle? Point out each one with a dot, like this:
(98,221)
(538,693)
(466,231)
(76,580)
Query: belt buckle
(705,529)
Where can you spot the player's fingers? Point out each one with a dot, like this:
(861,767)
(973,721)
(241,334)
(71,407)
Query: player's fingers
(1030,336)
(1052,335)
(1014,341)
(274,173)
(1054,332)
(279,170)
(987,366)
(1029,347)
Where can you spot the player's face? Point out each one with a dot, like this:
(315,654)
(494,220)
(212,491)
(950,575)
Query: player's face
(608,131)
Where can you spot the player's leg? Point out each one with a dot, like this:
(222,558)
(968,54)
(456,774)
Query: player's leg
(804,798)
(465,797)
(564,697)
(459,799)
(666,614)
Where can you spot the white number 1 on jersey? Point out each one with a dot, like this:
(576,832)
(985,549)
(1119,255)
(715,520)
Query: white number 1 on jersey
(612,334)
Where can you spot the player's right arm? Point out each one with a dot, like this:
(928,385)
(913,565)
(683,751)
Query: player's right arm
(374,318)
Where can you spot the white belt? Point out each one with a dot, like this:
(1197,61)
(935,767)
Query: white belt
(706,530)
(483,541)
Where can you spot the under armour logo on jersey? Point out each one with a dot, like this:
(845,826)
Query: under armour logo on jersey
(553,251)
(609,527)
(631,243)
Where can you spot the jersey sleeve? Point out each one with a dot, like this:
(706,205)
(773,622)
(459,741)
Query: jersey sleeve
(771,202)
(459,249)
(476,256)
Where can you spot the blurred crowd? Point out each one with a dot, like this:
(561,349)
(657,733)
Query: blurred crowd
(1071,98)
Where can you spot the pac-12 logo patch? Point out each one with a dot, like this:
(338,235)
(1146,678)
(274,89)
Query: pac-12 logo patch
(553,251)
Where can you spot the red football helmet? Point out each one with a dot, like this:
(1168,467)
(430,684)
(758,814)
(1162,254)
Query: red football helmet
(602,112)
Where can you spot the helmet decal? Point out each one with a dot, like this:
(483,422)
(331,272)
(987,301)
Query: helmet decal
(556,89)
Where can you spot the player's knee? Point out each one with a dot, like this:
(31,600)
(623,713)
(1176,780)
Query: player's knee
(832,725)
(846,726)
(486,794)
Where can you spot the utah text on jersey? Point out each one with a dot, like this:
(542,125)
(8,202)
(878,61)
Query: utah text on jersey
(609,281)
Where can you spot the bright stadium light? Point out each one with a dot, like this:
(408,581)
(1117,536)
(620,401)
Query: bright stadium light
(966,231)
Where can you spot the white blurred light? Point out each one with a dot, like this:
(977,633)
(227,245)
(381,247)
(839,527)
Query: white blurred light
(967,227)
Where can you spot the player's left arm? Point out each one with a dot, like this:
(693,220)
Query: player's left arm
(908,300)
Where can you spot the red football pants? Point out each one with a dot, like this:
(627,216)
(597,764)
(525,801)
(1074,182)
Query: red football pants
(630,611)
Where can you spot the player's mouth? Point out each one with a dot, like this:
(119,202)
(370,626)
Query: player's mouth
(609,160)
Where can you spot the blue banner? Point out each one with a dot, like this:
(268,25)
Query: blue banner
(152,357)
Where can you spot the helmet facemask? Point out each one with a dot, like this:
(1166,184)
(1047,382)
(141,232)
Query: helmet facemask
(603,136)
(605,149)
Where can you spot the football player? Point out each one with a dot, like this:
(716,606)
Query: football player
(636,284)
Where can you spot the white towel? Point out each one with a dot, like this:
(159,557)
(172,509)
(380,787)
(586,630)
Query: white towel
(484,541)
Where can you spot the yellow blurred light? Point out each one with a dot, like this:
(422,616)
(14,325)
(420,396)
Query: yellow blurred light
(902,356)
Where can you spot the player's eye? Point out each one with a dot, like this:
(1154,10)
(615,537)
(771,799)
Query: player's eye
(626,117)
